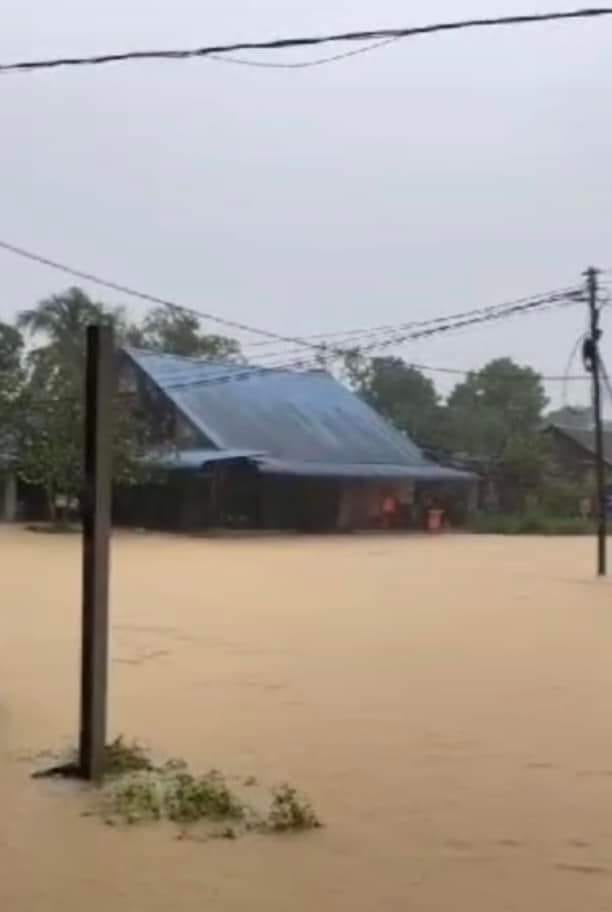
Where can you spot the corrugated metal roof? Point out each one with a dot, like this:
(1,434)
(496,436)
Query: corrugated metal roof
(298,419)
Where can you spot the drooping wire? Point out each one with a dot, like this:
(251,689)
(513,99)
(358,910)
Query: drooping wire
(301,64)
(371,35)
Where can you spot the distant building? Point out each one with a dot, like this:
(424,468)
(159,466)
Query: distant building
(574,451)
(244,446)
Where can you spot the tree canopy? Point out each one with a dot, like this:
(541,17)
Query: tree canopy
(176,332)
(45,421)
(41,386)
(399,392)
(494,405)
(11,348)
(494,416)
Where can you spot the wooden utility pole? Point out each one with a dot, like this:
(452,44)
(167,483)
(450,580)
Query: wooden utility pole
(593,364)
(96,535)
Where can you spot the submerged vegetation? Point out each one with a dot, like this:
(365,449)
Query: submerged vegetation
(135,790)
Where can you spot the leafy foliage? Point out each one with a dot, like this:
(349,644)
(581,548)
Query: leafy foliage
(172,792)
(290,812)
(11,348)
(403,394)
(11,382)
(59,323)
(41,390)
(137,791)
(121,758)
(175,332)
(493,405)
(48,409)
(496,415)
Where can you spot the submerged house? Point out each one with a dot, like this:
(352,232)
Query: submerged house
(265,448)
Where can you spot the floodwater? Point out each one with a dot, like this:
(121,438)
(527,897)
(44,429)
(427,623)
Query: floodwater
(444,702)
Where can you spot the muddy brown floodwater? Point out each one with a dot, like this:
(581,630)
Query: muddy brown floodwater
(445,703)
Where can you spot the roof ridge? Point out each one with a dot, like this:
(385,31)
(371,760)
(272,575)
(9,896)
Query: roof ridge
(190,358)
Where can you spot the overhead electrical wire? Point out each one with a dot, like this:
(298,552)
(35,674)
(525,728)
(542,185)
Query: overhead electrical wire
(370,35)
(149,298)
(245,372)
(302,64)
(382,337)
(242,373)
(323,349)
(345,336)
(394,335)
(462,372)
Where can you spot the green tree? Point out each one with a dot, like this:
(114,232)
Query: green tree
(58,324)
(11,383)
(11,348)
(49,442)
(49,429)
(495,415)
(175,332)
(501,401)
(399,392)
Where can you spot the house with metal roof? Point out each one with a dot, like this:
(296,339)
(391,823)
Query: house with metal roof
(297,448)
(574,450)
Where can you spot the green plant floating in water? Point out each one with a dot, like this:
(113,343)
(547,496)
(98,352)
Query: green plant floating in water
(137,791)
(121,758)
(290,812)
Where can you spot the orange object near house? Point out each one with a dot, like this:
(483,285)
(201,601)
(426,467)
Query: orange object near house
(389,505)
(389,509)
(434,520)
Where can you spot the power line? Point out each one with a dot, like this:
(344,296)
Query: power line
(144,296)
(462,372)
(345,336)
(239,373)
(307,41)
(382,336)
(324,349)
(301,64)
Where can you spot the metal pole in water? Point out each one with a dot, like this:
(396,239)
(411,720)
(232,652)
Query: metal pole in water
(96,536)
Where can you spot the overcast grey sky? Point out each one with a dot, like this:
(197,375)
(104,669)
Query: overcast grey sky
(431,176)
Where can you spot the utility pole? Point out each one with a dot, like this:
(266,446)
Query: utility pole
(96,535)
(593,365)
